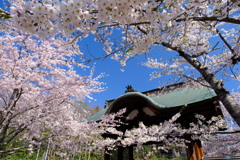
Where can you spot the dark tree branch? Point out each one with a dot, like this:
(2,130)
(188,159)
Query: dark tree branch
(235,58)
(196,80)
(213,19)
(3,133)
(202,53)
(227,132)
(225,41)
(18,131)
(116,24)
(4,153)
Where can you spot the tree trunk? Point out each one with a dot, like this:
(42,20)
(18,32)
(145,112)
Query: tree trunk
(222,94)
(217,85)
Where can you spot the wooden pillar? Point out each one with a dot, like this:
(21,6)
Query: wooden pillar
(200,148)
(197,150)
(120,153)
(106,154)
(130,152)
(194,150)
(190,151)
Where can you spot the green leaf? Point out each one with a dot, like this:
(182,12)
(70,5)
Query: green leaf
(129,49)
(7,17)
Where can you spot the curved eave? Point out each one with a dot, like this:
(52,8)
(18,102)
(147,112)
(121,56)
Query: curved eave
(135,95)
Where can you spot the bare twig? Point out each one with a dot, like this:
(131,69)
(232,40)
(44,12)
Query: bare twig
(196,80)
(225,41)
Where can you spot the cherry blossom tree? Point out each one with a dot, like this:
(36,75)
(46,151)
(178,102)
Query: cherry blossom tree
(203,33)
(38,83)
(224,143)
(37,105)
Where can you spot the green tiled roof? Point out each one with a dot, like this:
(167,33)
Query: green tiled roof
(168,100)
(184,97)
(97,116)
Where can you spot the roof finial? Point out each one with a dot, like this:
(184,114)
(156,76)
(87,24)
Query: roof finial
(130,89)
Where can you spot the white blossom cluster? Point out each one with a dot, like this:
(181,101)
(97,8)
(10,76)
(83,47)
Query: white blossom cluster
(37,82)
(47,17)
(42,17)
(222,145)
(144,23)
(50,16)
(169,133)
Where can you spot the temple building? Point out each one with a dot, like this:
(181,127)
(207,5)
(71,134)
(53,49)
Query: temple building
(157,105)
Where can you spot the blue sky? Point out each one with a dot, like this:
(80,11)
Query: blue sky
(116,80)
(134,73)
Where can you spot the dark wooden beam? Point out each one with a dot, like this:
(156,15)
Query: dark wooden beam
(106,154)
(130,152)
(120,153)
